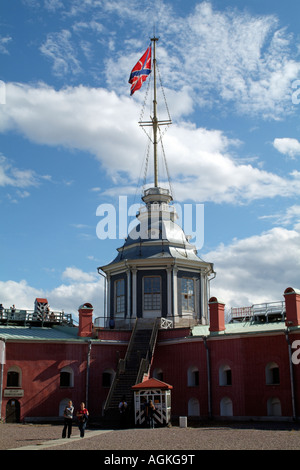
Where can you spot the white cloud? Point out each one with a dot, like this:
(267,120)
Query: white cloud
(291,216)
(245,59)
(228,57)
(68,297)
(18,293)
(202,160)
(256,269)
(12,176)
(223,58)
(58,48)
(104,124)
(287,146)
(53,5)
(77,275)
(252,270)
(83,118)
(4,41)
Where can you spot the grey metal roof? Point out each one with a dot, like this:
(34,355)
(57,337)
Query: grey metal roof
(156,234)
(241,328)
(56,333)
(171,243)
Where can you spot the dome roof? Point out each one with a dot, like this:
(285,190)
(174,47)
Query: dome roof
(156,234)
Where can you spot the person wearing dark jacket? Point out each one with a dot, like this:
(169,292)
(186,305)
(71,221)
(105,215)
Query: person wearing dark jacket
(82,416)
(68,420)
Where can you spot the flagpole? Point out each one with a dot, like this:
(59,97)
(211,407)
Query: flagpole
(154,122)
(154,119)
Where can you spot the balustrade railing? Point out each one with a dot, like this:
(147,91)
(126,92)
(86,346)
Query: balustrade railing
(8,315)
(257,311)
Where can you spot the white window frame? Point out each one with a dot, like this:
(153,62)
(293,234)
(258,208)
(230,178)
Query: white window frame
(153,295)
(187,295)
(120,300)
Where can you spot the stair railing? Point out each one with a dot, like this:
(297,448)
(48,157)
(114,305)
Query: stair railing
(146,362)
(121,368)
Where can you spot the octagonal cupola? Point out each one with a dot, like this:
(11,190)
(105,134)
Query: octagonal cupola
(157,271)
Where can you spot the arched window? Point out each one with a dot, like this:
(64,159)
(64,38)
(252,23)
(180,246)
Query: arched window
(225,377)
(272,374)
(274,407)
(226,407)
(193,407)
(66,377)
(107,377)
(14,377)
(193,376)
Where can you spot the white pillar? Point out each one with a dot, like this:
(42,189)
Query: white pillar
(196,299)
(175,299)
(169,291)
(128,294)
(108,296)
(134,292)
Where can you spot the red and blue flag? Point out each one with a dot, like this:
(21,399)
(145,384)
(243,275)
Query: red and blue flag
(140,71)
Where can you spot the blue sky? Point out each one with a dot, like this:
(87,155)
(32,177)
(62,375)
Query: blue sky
(70,140)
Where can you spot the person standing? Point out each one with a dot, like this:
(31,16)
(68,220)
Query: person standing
(123,412)
(82,415)
(151,410)
(68,420)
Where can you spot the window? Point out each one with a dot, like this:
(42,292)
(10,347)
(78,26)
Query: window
(193,376)
(66,377)
(274,407)
(120,296)
(272,374)
(14,377)
(108,377)
(226,408)
(152,296)
(187,295)
(225,377)
(193,407)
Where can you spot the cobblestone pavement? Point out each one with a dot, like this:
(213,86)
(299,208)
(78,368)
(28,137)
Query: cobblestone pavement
(261,436)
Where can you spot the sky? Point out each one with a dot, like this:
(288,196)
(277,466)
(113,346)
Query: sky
(71,145)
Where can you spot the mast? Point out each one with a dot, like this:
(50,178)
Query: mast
(154,119)
(155,123)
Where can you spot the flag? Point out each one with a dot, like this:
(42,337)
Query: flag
(140,71)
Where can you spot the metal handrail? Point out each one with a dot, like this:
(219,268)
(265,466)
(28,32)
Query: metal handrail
(184,319)
(120,369)
(266,309)
(24,316)
(146,362)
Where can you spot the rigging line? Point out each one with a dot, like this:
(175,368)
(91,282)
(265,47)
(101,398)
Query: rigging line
(145,99)
(140,180)
(166,165)
(163,92)
(144,107)
(146,165)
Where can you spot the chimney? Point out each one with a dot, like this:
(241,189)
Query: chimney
(85,320)
(292,306)
(216,315)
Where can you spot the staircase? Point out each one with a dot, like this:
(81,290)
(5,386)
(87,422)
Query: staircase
(131,369)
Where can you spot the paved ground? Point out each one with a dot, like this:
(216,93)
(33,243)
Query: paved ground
(261,436)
